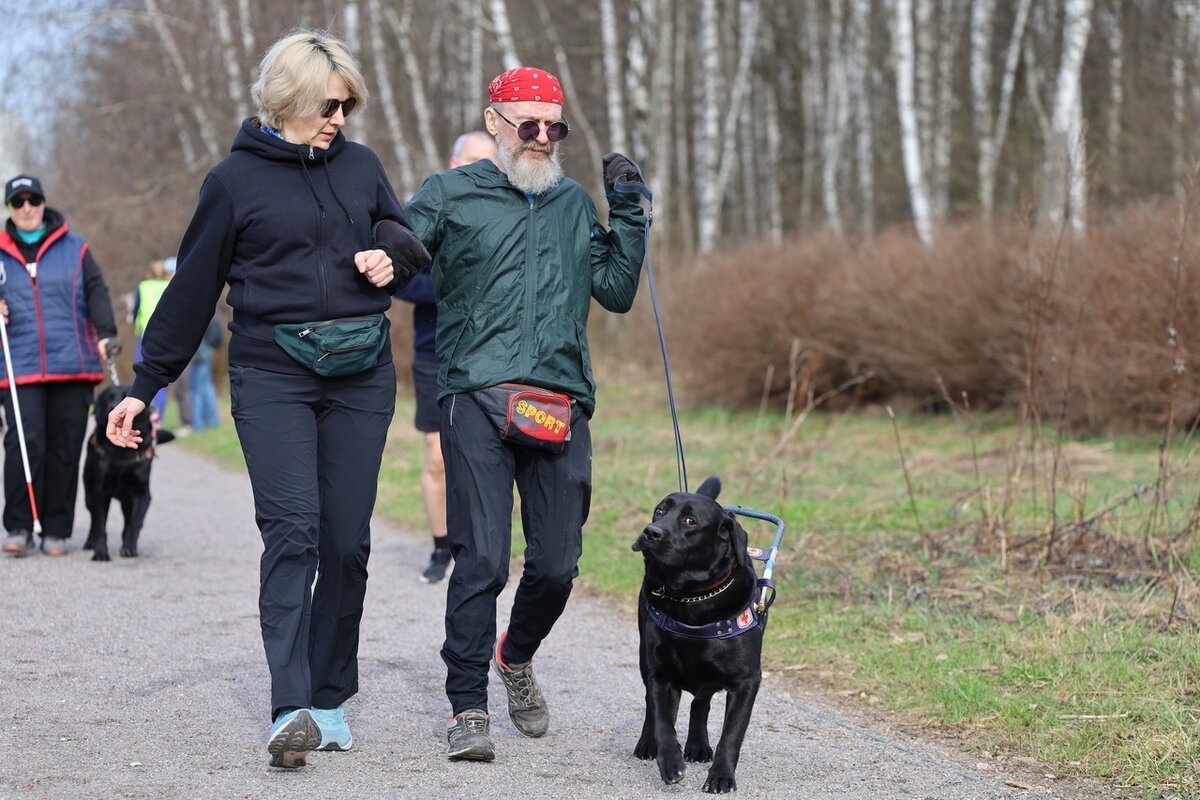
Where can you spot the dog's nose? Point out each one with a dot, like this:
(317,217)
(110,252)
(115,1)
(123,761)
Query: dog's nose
(652,532)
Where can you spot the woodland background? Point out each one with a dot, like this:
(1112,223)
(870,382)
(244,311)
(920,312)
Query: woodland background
(944,201)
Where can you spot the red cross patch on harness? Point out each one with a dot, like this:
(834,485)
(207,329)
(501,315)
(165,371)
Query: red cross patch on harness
(745,619)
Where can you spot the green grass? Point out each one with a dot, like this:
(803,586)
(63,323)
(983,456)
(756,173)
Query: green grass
(1087,661)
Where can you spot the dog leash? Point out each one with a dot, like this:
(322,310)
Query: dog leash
(637,187)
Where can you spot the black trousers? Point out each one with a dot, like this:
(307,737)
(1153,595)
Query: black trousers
(313,447)
(54,417)
(556,491)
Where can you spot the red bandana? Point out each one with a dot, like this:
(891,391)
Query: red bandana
(525,84)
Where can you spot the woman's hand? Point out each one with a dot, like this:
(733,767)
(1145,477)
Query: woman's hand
(120,423)
(376,266)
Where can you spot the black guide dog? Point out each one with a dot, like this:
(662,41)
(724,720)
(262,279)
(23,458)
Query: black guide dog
(118,473)
(699,633)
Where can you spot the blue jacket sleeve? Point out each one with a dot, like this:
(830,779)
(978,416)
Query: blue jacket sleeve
(419,289)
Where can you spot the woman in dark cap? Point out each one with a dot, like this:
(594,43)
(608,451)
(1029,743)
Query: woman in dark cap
(60,326)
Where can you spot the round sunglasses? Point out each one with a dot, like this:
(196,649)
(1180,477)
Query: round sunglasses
(528,130)
(330,107)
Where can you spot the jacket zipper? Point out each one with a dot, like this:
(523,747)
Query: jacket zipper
(530,258)
(316,326)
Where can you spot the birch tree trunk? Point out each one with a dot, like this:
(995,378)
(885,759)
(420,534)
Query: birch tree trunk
(860,91)
(387,100)
(836,117)
(415,81)
(1183,10)
(1065,158)
(613,80)
(1112,19)
(234,82)
(910,136)
(772,170)
(992,131)
(504,37)
(637,84)
(925,47)
(718,155)
(812,102)
(203,120)
(709,145)
(943,134)
(660,14)
(355,130)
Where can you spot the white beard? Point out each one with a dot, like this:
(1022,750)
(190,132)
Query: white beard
(530,175)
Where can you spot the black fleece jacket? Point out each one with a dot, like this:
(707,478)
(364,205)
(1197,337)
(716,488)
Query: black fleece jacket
(280,224)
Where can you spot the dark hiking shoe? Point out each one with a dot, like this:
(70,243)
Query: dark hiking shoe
(293,736)
(438,564)
(469,736)
(526,706)
(18,543)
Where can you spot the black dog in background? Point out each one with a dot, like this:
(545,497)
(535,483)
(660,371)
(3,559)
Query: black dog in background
(699,633)
(118,473)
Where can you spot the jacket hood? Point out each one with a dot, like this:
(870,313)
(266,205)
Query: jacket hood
(252,138)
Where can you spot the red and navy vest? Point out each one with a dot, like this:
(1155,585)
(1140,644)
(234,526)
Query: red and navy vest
(50,334)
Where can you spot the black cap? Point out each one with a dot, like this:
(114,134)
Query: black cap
(26,184)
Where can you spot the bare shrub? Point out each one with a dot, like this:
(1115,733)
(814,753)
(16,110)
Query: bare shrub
(1085,323)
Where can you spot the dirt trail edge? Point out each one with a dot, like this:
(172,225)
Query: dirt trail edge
(145,678)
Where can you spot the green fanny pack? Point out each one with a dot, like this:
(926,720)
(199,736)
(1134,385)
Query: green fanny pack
(336,347)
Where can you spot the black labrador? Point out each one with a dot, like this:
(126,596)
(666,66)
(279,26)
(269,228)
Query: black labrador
(699,633)
(118,473)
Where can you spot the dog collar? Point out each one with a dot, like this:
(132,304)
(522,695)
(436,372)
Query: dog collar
(749,619)
(712,590)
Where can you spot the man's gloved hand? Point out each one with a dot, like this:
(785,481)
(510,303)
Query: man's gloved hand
(408,255)
(619,168)
(112,347)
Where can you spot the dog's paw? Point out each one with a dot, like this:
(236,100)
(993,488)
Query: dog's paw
(697,752)
(128,552)
(101,555)
(671,766)
(646,748)
(719,784)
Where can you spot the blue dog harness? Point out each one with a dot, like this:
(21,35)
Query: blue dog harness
(752,616)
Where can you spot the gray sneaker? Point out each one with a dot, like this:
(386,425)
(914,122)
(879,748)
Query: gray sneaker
(526,706)
(18,543)
(469,736)
(54,545)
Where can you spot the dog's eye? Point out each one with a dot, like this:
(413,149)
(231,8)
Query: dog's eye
(658,512)
(690,521)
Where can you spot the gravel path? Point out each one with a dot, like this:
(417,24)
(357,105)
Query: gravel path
(145,678)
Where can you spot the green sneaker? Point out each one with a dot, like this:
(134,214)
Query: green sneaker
(335,733)
(469,736)
(526,705)
(293,736)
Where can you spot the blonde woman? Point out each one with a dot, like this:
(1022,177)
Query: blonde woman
(287,220)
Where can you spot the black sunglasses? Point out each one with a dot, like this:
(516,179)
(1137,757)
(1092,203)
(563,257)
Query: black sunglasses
(528,130)
(330,107)
(33,201)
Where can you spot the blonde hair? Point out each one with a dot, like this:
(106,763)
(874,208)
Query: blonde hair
(294,74)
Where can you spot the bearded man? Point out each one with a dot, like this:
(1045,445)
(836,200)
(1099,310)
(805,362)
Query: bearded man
(518,254)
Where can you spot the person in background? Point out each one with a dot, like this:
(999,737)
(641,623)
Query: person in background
(519,254)
(291,221)
(145,300)
(468,148)
(202,392)
(61,331)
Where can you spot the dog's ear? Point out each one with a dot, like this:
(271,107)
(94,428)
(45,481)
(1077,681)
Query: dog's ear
(163,436)
(710,487)
(735,534)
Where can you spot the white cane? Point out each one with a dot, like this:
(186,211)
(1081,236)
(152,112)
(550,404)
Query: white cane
(12,387)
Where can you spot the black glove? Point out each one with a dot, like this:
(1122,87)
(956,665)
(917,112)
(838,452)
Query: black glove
(619,168)
(408,255)
(112,347)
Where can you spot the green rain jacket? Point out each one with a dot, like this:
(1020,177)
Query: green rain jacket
(514,277)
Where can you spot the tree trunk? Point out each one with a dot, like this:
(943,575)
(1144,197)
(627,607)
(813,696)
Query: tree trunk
(860,90)
(613,80)
(910,135)
(203,120)
(1066,156)
(415,80)
(504,38)
(387,100)
(836,117)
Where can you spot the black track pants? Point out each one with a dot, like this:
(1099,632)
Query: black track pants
(313,447)
(555,492)
(54,417)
